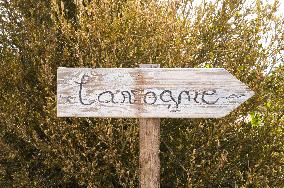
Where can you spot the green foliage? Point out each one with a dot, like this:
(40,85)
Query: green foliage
(37,149)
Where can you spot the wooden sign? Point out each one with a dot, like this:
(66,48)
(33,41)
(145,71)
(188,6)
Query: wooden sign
(148,92)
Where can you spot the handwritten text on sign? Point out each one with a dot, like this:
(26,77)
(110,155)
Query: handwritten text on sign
(136,92)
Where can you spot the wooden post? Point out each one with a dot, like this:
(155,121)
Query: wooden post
(149,159)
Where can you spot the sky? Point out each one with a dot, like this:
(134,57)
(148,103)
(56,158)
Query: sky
(281,8)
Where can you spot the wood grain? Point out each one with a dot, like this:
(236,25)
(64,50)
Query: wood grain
(149,144)
(149,156)
(148,92)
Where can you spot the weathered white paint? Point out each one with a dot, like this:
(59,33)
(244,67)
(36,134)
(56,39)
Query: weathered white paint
(154,92)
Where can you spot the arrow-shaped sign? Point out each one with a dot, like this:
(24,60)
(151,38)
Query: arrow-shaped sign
(148,92)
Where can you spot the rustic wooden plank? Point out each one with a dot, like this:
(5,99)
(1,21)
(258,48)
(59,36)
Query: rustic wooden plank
(148,92)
